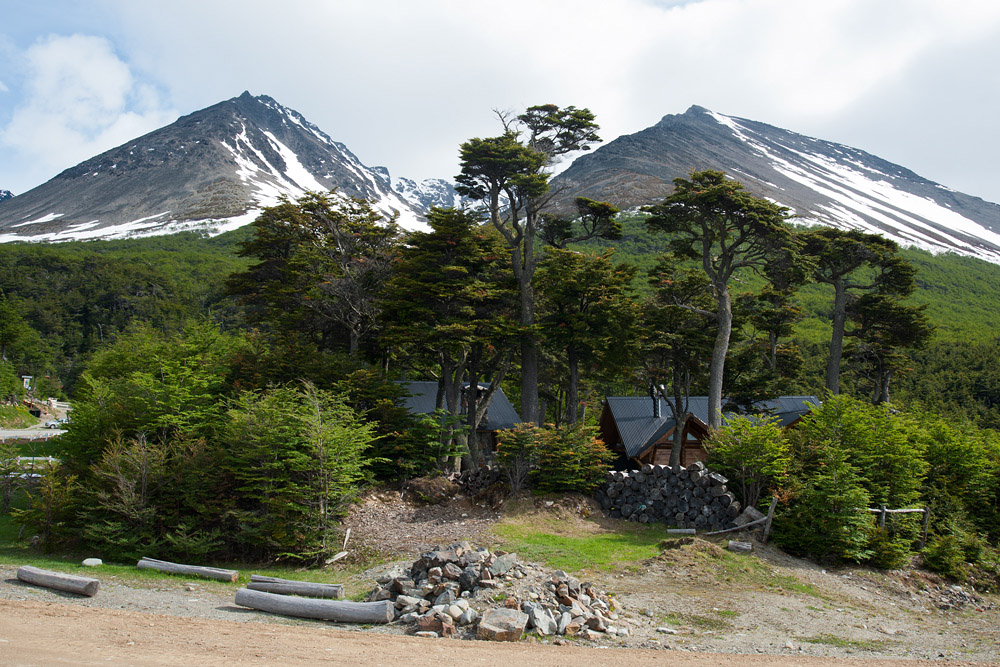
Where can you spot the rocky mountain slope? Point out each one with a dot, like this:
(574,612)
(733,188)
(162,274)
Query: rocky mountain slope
(5,195)
(822,182)
(211,170)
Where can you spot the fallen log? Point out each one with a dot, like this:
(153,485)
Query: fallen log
(192,570)
(58,580)
(326,610)
(308,589)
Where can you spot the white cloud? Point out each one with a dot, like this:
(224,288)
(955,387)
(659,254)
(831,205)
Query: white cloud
(78,99)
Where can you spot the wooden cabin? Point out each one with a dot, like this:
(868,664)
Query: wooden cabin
(500,414)
(641,431)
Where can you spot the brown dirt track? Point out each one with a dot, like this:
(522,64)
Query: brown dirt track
(38,633)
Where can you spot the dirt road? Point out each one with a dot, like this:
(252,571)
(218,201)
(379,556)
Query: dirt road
(41,633)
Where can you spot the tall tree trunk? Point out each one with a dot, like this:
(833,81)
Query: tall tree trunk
(529,352)
(572,399)
(837,339)
(882,387)
(677,446)
(718,365)
(354,343)
(470,460)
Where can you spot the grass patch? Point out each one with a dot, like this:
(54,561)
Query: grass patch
(843,642)
(50,447)
(726,613)
(590,548)
(14,416)
(698,621)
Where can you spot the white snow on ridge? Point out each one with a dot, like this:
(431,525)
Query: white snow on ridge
(45,218)
(860,194)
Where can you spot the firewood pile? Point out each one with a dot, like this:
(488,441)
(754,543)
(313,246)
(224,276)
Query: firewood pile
(458,586)
(692,497)
(475,482)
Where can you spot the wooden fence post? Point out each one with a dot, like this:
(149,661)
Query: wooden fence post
(770,517)
(927,523)
(881,517)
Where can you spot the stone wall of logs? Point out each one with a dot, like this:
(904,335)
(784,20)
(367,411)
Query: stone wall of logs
(692,497)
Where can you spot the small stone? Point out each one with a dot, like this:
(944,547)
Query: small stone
(789,645)
(666,631)
(429,634)
(454,611)
(565,619)
(468,617)
(410,617)
(503,564)
(542,620)
(592,635)
(92,562)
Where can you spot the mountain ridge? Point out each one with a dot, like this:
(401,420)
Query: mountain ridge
(209,171)
(821,181)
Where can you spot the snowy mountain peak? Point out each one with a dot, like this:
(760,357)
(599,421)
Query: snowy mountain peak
(822,182)
(209,171)
(6,194)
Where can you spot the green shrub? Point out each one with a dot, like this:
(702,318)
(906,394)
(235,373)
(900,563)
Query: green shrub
(944,555)
(889,551)
(570,458)
(753,453)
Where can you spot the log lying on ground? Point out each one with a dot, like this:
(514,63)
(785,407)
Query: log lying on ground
(289,587)
(326,610)
(58,580)
(193,570)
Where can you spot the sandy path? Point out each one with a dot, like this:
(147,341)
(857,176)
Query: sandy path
(42,633)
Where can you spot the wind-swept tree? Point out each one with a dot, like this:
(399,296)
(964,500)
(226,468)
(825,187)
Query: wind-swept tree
(586,311)
(715,221)
(448,303)
(853,262)
(323,262)
(509,175)
(883,327)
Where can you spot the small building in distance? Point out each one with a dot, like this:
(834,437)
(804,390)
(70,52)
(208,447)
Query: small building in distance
(641,431)
(500,414)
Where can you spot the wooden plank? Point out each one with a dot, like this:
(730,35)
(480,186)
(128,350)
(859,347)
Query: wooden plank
(290,587)
(191,570)
(326,610)
(60,581)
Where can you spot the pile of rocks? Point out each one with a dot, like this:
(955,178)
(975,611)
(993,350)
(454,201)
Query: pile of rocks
(459,586)
(692,497)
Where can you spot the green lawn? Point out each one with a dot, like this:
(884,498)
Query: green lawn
(589,547)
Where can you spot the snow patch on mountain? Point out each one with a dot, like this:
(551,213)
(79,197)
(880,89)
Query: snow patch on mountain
(862,196)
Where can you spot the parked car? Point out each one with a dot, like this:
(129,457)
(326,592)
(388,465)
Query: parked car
(53,423)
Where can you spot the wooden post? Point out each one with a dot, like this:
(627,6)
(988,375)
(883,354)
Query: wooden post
(927,523)
(58,580)
(881,517)
(770,518)
(326,610)
(191,570)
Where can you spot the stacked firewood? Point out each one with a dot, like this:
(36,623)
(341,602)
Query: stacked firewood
(474,482)
(692,497)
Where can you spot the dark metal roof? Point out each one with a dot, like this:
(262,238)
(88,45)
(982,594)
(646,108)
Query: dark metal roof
(639,429)
(423,395)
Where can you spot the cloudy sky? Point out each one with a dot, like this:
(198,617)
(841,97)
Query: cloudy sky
(403,82)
